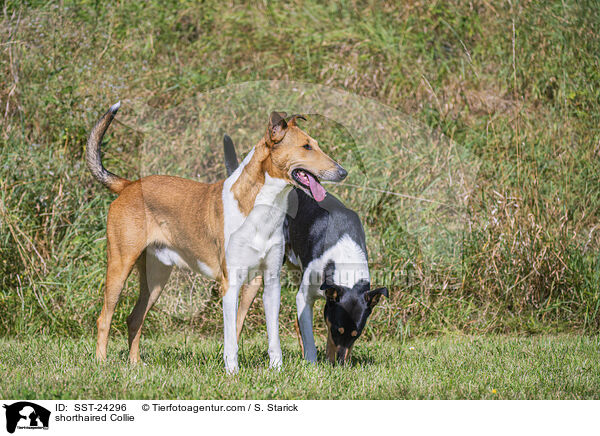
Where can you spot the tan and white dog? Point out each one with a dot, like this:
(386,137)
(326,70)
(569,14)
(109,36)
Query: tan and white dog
(230,231)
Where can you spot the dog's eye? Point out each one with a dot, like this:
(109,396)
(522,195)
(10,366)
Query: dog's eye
(307,147)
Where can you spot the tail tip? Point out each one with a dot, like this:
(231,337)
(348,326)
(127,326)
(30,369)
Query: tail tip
(115,107)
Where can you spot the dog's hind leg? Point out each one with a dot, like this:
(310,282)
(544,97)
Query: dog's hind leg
(153,277)
(118,269)
(247,295)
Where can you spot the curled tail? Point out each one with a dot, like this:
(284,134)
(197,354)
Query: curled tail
(94,160)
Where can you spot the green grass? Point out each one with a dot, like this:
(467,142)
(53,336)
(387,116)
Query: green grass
(514,85)
(182,367)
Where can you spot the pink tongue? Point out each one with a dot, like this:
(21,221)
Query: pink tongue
(318,192)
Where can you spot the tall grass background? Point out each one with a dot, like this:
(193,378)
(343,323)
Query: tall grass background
(516,85)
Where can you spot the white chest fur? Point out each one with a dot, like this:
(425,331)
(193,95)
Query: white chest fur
(249,240)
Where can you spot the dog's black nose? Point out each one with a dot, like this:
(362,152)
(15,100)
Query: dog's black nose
(342,173)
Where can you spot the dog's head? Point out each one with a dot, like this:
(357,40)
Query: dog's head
(297,158)
(346,313)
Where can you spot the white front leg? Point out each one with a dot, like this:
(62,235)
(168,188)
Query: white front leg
(271,301)
(230,346)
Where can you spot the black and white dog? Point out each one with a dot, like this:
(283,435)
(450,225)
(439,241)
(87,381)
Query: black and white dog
(327,241)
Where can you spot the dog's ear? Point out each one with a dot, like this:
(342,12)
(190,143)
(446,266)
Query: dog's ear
(292,120)
(231,162)
(332,292)
(277,127)
(372,297)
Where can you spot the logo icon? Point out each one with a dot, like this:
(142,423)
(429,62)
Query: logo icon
(26,415)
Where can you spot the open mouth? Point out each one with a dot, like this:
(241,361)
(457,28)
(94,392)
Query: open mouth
(309,183)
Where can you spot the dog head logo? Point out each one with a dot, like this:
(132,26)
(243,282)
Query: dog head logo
(26,415)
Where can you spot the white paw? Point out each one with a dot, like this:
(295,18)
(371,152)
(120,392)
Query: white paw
(231,366)
(232,369)
(275,363)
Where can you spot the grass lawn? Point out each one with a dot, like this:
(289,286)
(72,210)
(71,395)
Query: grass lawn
(179,367)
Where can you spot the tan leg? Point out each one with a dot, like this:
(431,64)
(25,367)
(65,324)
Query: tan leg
(348,355)
(331,349)
(153,277)
(247,295)
(299,335)
(118,269)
